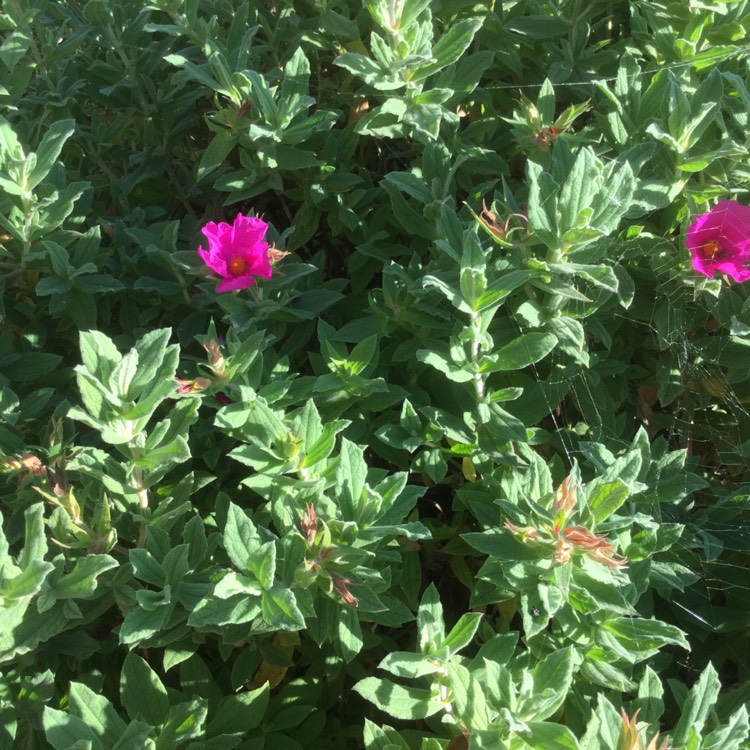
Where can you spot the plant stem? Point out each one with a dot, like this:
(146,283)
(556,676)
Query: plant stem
(142,503)
(478,379)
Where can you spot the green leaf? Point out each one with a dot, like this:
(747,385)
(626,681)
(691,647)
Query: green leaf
(462,632)
(241,538)
(571,337)
(588,594)
(14,47)
(323,445)
(123,374)
(81,582)
(262,563)
(97,712)
(57,209)
(614,198)
(649,701)
(308,425)
(545,102)
(401,702)
(28,366)
(294,87)
(28,582)
(542,204)
(196,72)
(234,610)
(368,70)
(544,735)
(699,704)
(408,664)
(540,26)
(411,11)
(302,131)
(185,721)
(452,294)
(643,634)
(350,633)
(239,714)
(221,145)
(52,285)
(141,691)
(606,499)
(552,677)
(503,545)
(156,359)
(97,283)
(385,738)
(468,696)
(472,276)
(449,47)
(362,355)
(442,364)
(49,149)
(100,355)
(63,730)
(351,473)
(504,425)
(408,216)
(731,735)
(410,184)
(146,567)
(526,350)
(280,610)
(578,191)
(10,148)
(35,540)
(501,288)
(430,622)
(262,98)
(136,734)
(8,726)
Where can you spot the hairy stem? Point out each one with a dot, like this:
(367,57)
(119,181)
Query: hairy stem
(142,503)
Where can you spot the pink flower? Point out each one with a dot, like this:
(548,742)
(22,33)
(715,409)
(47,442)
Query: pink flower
(237,252)
(720,241)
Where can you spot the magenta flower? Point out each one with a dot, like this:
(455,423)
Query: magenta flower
(237,252)
(720,241)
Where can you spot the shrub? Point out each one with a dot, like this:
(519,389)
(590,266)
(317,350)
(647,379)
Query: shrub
(444,426)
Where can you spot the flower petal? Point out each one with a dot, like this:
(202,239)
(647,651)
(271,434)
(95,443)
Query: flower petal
(214,262)
(248,231)
(259,263)
(735,221)
(214,232)
(703,265)
(234,283)
(737,271)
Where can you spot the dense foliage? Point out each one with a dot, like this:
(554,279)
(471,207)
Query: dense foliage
(472,463)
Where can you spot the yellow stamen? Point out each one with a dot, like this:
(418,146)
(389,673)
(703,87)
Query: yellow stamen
(711,249)
(236,266)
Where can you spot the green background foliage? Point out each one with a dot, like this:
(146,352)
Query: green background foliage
(360,508)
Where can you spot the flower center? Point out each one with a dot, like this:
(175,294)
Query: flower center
(711,249)
(236,266)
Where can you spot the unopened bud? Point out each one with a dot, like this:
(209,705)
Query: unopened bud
(186,387)
(275,255)
(215,357)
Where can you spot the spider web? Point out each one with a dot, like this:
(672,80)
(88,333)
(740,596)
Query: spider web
(706,415)
(699,411)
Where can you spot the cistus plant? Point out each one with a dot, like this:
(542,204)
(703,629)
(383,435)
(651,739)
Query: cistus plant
(374,375)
